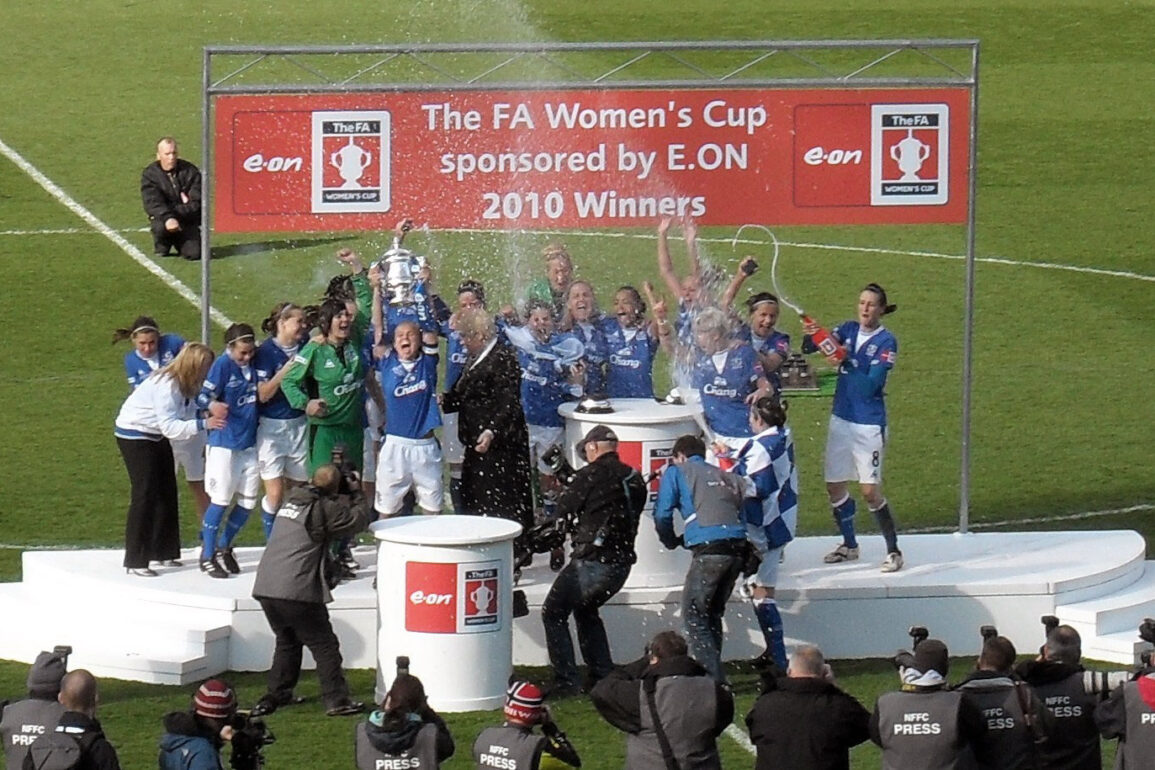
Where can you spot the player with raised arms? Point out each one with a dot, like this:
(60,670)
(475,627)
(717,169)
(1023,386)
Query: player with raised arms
(231,456)
(771,345)
(409,455)
(728,377)
(281,447)
(856,438)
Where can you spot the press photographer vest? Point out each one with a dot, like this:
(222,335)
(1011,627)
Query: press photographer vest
(920,729)
(717,494)
(422,754)
(1139,747)
(23,722)
(508,748)
(1073,742)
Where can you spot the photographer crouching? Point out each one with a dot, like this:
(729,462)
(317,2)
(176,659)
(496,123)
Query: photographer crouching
(600,507)
(294,582)
(193,739)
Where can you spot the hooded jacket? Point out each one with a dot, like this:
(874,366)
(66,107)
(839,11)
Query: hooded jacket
(188,744)
(397,735)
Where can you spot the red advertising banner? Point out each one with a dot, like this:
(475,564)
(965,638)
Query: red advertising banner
(591,158)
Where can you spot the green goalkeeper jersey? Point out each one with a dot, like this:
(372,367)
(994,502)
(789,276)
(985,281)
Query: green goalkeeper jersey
(320,370)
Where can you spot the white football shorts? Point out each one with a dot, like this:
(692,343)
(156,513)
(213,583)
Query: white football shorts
(767,576)
(854,452)
(282,449)
(189,453)
(408,462)
(230,472)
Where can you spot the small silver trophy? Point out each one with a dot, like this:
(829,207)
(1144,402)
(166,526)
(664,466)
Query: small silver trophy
(401,269)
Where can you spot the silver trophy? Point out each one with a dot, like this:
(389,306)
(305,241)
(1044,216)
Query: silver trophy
(401,269)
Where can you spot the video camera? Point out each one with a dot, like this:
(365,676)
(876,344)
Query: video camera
(250,736)
(554,458)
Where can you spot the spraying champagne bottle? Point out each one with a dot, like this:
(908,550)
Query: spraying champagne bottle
(823,341)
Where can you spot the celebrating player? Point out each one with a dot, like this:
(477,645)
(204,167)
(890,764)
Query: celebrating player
(728,377)
(231,456)
(856,439)
(771,513)
(771,345)
(410,456)
(281,445)
(332,368)
(632,343)
(582,320)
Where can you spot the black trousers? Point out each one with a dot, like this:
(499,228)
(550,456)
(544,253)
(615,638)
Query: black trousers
(298,625)
(152,531)
(186,241)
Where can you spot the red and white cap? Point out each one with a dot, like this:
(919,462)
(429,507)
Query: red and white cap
(215,700)
(523,703)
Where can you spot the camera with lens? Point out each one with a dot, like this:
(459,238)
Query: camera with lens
(540,538)
(350,481)
(905,659)
(554,458)
(250,736)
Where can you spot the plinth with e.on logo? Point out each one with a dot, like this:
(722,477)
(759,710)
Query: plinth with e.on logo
(445,602)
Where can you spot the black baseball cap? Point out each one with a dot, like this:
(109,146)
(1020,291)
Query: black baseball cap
(596,433)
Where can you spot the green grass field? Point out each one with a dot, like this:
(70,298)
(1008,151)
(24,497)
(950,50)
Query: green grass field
(1063,368)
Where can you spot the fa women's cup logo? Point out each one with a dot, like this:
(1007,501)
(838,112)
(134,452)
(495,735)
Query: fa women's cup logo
(351,162)
(909,153)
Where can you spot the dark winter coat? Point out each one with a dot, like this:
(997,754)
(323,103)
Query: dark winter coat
(806,724)
(160,192)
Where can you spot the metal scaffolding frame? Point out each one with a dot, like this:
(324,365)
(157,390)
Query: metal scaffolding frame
(618,65)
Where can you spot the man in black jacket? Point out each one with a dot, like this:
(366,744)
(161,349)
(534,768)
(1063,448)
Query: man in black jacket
(671,709)
(803,721)
(1058,681)
(170,189)
(1016,720)
(293,589)
(77,724)
(602,507)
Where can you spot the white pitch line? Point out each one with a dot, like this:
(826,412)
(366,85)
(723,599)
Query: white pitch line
(863,249)
(746,242)
(740,738)
(1038,519)
(70,231)
(93,221)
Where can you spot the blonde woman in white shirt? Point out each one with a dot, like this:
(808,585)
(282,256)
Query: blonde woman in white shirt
(160,410)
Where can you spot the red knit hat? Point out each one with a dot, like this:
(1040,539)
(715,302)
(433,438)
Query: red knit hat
(215,700)
(523,703)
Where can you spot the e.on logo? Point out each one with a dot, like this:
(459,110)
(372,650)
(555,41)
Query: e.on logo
(431,597)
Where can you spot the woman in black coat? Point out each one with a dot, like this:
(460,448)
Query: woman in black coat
(495,476)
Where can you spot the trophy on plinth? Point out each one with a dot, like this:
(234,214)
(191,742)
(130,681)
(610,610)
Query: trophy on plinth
(797,374)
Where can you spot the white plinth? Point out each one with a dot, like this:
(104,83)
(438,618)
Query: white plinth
(184,627)
(647,430)
(445,593)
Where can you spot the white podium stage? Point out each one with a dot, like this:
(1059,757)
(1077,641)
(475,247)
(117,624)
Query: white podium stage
(183,626)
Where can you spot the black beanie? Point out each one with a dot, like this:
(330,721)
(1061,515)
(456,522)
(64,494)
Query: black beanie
(45,675)
(931,655)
